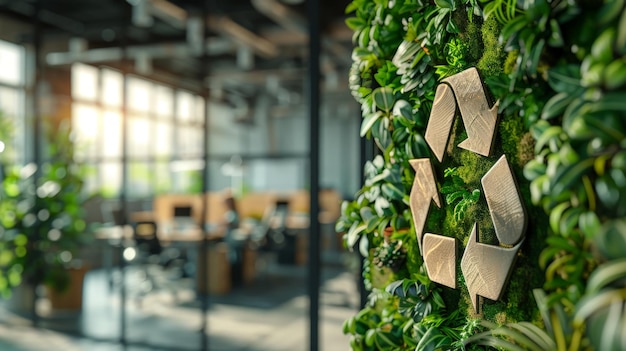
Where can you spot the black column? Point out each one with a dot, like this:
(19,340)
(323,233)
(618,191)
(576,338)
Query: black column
(203,259)
(367,151)
(37,135)
(123,198)
(314,129)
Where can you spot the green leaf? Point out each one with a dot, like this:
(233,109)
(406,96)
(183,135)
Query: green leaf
(475,195)
(534,169)
(448,189)
(555,216)
(556,105)
(609,11)
(369,218)
(605,275)
(364,246)
(567,176)
(607,191)
(519,338)
(432,339)
(569,219)
(553,132)
(355,23)
(404,109)
(381,205)
(384,340)
(381,134)
(556,36)
(384,98)
(513,27)
(370,337)
(613,101)
(419,148)
(611,241)
(592,303)
(565,79)
(620,43)
(602,48)
(615,75)
(450,198)
(448,4)
(354,234)
(368,122)
(535,54)
(405,52)
(537,335)
(392,192)
(536,188)
(589,224)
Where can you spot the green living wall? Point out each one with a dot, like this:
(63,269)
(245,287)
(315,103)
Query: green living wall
(557,70)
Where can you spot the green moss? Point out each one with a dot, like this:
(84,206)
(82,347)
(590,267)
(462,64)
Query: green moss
(413,257)
(491,62)
(472,167)
(526,151)
(511,132)
(511,61)
(473,37)
(381,276)
(435,220)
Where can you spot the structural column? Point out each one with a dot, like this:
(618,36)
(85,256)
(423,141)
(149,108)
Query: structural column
(314,129)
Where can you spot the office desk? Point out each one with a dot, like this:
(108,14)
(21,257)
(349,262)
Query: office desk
(165,234)
(215,280)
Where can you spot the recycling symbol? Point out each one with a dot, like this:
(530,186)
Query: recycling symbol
(485,268)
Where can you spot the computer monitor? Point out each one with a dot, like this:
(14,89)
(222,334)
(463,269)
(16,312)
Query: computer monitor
(182,217)
(182,211)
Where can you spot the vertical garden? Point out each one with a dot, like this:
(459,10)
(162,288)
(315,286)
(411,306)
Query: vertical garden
(555,71)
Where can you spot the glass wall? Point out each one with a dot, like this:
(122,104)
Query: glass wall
(164,138)
(12,92)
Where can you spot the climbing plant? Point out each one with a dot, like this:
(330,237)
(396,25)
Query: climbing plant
(558,72)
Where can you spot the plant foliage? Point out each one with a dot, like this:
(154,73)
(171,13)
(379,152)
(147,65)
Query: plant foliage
(558,71)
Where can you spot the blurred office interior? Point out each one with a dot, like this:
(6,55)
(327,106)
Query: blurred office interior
(170,117)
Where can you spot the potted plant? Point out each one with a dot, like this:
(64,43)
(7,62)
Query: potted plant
(43,220)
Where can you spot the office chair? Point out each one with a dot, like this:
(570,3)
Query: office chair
(160,265)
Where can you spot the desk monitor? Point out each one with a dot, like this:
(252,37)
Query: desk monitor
(182,211)
(182,216)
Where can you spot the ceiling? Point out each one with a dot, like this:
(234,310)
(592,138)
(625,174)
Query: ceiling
(251,45)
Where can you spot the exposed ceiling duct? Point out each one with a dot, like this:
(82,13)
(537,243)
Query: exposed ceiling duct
(232,29)
(169,36)
(54,19)
(282,15)
(177,17)
(155,51)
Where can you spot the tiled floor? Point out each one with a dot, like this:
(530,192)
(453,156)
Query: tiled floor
(270,314)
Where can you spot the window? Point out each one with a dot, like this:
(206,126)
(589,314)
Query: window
(164,125)
(12,103)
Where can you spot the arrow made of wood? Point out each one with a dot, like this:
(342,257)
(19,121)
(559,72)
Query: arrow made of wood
(486,268)
(440,259)
(465,91)
(423,191)
(504,202)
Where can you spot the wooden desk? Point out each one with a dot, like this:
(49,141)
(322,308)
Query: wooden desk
(116,233)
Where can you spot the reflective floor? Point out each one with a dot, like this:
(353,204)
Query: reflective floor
(269,313)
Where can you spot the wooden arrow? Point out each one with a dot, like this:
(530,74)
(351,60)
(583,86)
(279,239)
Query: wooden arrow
(423,191)
(479,120)
(440,121)
(440,259)
(486,268)
(505,202)
(464,90)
